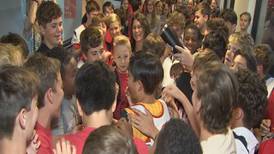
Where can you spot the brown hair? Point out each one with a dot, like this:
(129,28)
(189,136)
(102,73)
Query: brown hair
(10,54)
(47,12)
(90,38)
(18,87)
(217,89)
(154,44)
(264,56)
(47,70)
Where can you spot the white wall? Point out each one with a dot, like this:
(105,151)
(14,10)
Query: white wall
(11,16)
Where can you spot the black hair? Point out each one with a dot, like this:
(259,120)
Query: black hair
(95,87)
(176,137)
(216,41)
(230,16)
(148,69)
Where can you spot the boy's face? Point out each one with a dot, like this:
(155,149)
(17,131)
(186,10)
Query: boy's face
(115,29)
(230,53)
(244,22)
(121,57)
(94,54)
(239,63)
(200,19)
(57,96)
(108,11)
(69,77)
(191,40)
(52,32)
(137,31)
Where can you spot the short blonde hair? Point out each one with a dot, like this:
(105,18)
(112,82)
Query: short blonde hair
(112,19)
(241,39)
(10,54)
(122,40)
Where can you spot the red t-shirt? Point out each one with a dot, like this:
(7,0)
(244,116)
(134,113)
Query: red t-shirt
(45,139)
(270,109)
(122,101)
(78,139)
(267,147)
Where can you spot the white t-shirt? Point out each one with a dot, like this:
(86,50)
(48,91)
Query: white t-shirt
(219,144)
(250,139)
(76,34)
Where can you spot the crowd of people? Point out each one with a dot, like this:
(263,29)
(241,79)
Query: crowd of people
(118,87)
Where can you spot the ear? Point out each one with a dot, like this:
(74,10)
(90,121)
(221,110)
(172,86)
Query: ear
(260,69)
(199,104)
(81,113)
(22,118)
(42,30)
(237,114)
(49,95)
(206,17)
(140,86)
(85,56)
(113,107)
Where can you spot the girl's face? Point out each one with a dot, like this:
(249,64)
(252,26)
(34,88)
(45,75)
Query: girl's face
(137,31)
(159,8)
(125,4)
(150,6)
(230,53)
(165,9)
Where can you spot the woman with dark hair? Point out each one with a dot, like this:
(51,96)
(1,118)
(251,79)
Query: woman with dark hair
(140,29)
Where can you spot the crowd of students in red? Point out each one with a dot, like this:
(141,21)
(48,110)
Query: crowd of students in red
(120,88)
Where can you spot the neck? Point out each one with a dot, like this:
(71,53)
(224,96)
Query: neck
(139,45)
(147,99)
(236,124)
(44,118)
(98,119)
(203,30)
(15,145)
(205,134)
(50,46)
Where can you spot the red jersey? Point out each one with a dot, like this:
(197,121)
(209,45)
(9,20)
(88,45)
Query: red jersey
(270,109)
(45,139)
(78,139)
(267,147)
(122,101)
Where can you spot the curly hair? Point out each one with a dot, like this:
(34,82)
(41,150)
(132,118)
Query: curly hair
(252,97)
(47,12)
(264,56)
